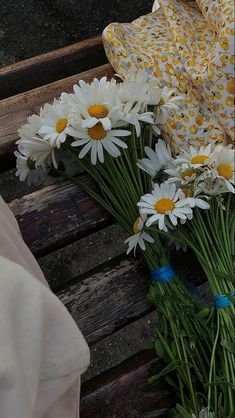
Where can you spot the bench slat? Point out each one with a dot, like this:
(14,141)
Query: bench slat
(58,215)
(14,110)
(108,300)
(46,68)
(124,392)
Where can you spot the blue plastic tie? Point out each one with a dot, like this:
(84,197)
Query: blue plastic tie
(222,301)
(163,274)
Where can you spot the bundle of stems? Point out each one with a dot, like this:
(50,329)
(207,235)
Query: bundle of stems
(211,237)
(183,337)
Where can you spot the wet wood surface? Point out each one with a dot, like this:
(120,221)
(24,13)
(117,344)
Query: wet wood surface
(124,392)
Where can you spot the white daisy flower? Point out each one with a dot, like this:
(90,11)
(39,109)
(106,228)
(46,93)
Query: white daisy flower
(55,123)
(139,86)
(193,201)
(164,204)
(30,129)
(139,235)
(180,174)
(94,103)
(96,138)
(157,159)
(224,165)
(195,157)
(168,104)
(134,94)
(39,150)
(133,113)
(134,87)
(25,169)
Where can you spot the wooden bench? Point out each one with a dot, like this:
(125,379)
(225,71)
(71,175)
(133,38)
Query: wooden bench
(60,223)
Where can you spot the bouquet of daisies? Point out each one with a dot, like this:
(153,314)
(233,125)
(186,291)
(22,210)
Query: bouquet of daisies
(106,127)
(203,178)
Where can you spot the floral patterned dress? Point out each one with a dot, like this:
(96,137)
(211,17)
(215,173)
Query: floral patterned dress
(188,45)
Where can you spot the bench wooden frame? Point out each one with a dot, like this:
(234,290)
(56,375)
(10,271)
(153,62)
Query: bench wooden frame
(62,214)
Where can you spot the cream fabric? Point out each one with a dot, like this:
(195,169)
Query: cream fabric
(42,352)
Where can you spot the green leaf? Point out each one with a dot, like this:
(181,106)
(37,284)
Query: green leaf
(168,369)
(204,313)
(159,349)
(183,412)
(229,345)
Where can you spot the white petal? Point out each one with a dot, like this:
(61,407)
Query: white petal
(147,237)
(153,219)
(161,223)
(100,152)
(118,142)
(80,142)
(106,124)
(148,211)
(149,198)
(89,123)
(141,243)
(85,149)
(111,148)
(173,218)
(94,153)
(120,132)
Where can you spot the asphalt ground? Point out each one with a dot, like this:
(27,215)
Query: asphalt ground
(31,27)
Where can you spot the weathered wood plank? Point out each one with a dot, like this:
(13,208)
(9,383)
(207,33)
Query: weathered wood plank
(46,68)
(14,110)
(108,300)
(105,301)
(84,256)
(58,215)
(123,392)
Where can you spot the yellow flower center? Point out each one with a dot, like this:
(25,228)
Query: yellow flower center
(98,111)
(136,225)
(164,205)
(199,159)
(61,125)
(161,101)
(188,173)
(97,132)
(225,170)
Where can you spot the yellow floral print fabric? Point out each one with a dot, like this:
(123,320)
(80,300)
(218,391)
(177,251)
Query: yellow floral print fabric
(187,45)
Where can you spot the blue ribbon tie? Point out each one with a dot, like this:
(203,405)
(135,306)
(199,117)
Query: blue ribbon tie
(163,274)
(222,301)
